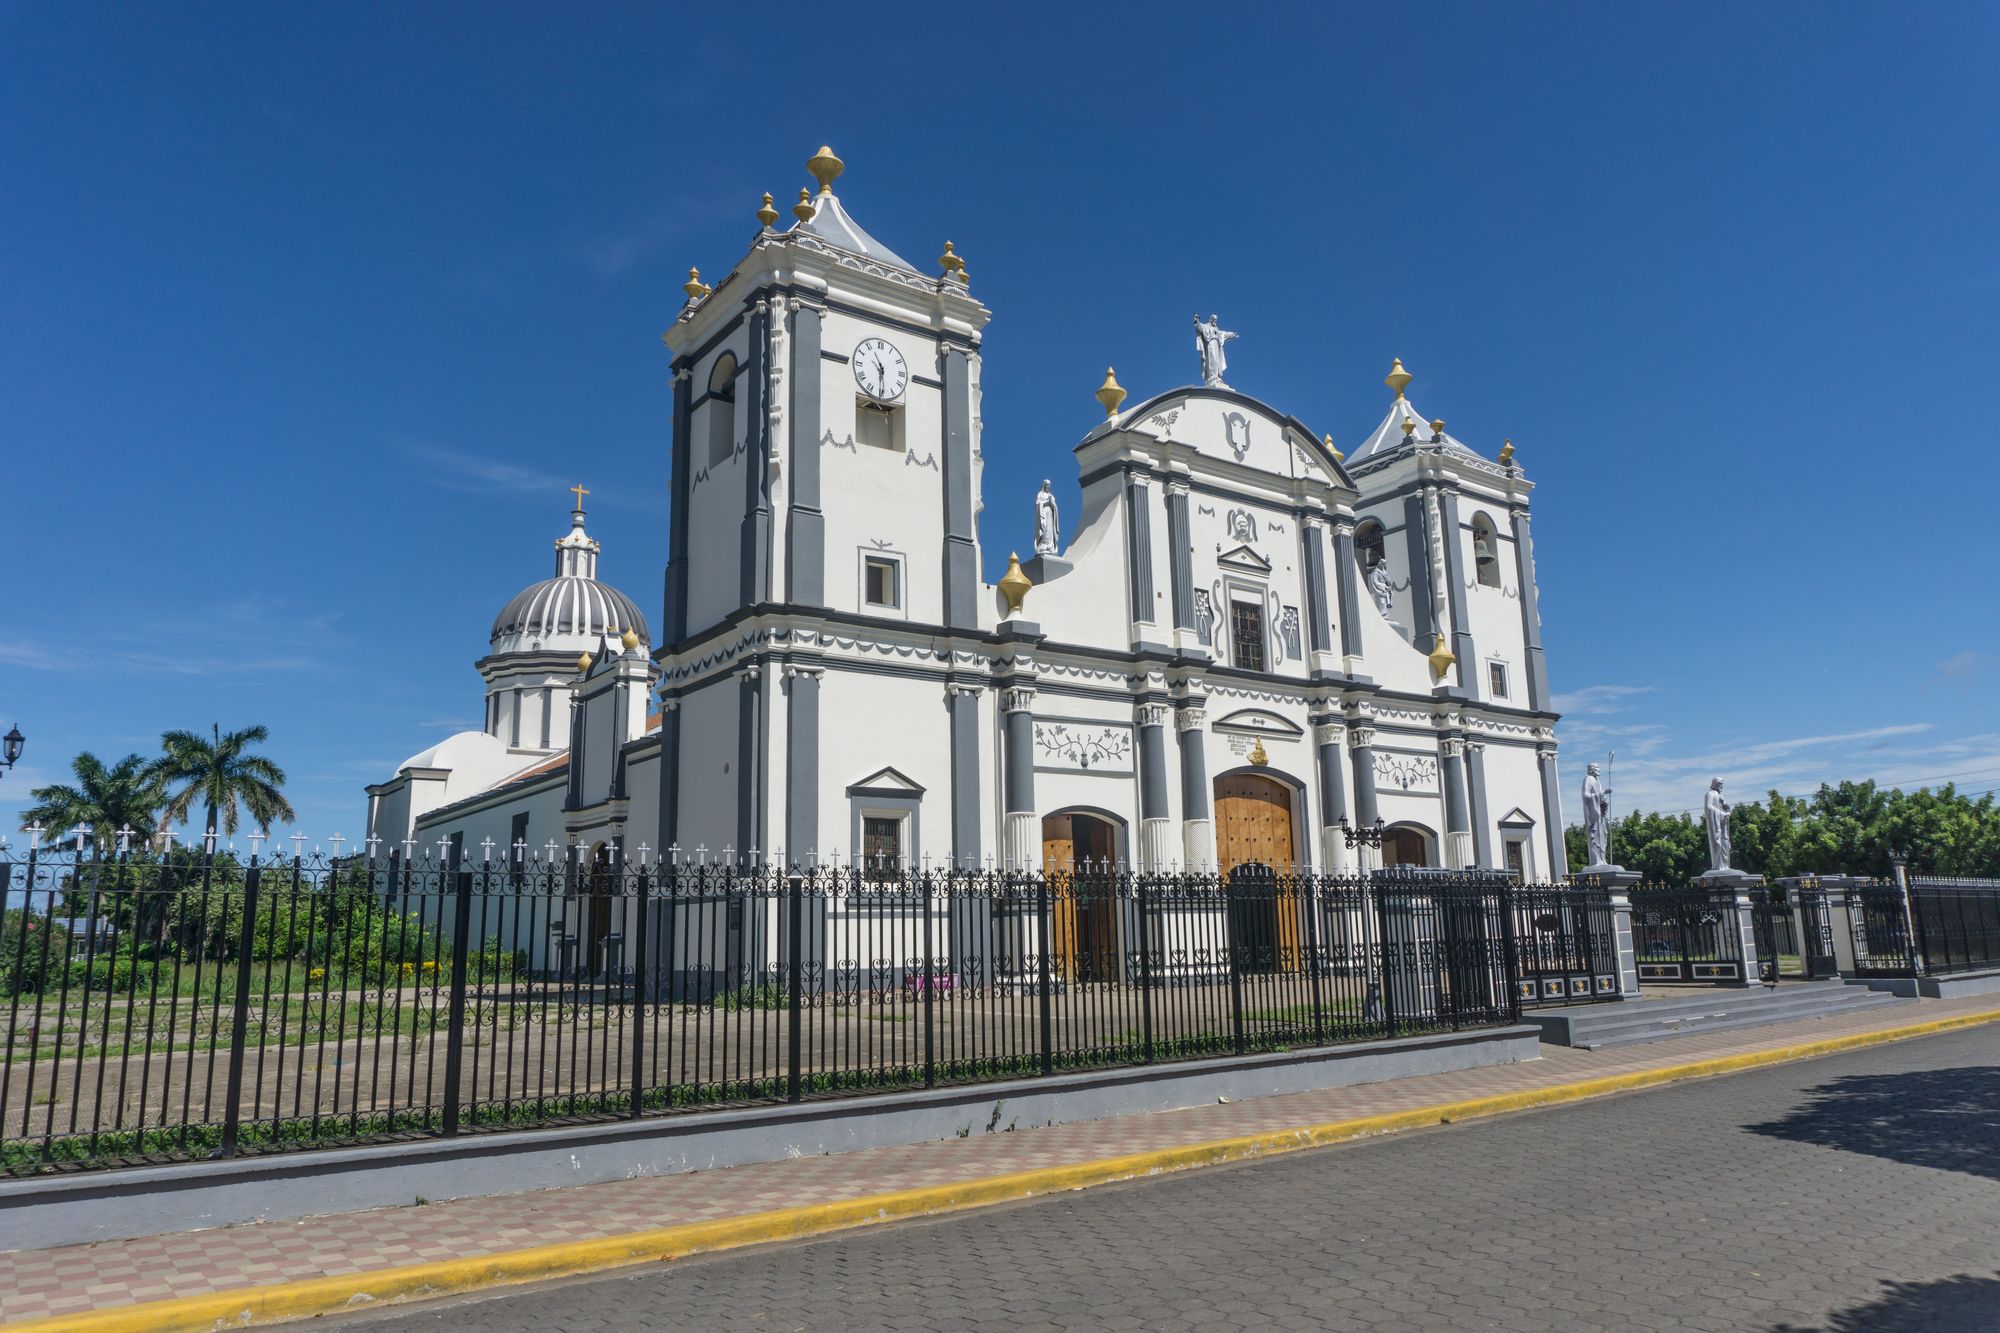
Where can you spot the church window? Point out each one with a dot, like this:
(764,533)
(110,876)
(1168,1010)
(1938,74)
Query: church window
(881,581)
(1517,859)
(1368,546)
(1246,634)
(881,846)
(517,843)
(1496,679)
(1485,551)
(878,427)
(722,410)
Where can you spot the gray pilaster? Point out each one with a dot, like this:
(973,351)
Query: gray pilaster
(1454,590)
(1019,771)
(1475,771)
(1347,574)
(747,731)
(1456,818)
(1362,751)
(965,770)
(754,566)
(675,628)
(1552,823)
(1180,554)
(1194,762)
(1139,548)
(961,565)
(1153,761)
(1422,628)
(1531,617)
(670,774)
(802,765)
(1314,539)
(1328,733)
(805,534)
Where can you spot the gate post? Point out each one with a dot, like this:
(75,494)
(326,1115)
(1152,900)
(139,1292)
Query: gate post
(1618,890)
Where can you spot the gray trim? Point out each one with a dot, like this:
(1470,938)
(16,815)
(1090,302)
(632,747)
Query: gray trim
(1475,767)
(1194,773)
(1205,488)
(1363,759)
(1291,424)
(1153,771)
(805,533)
(1332,799)
(753,562)
(1347,573)
(802,766)
(961,571)
(674,624)
(1552,815)
(1537,673)
(747,732)
(1180,557)
(1019,796)
(1456,819)
(965,803)
(1422,627)
(1139,549)
(1316,607)
(1454,590)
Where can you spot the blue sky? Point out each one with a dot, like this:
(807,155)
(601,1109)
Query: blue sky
(308,316)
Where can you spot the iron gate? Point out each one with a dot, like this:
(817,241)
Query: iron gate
(1686,933)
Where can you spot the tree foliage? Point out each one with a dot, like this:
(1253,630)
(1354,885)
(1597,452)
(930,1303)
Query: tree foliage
(103,800)
(1845,829)
(219,772)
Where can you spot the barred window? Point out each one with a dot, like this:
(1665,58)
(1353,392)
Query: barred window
(881,847)
(1246,634)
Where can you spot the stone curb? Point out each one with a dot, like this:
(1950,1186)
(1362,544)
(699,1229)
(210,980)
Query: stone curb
(452,1277)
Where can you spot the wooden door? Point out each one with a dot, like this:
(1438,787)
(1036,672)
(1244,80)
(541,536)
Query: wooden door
(1253,828)
(1059,853)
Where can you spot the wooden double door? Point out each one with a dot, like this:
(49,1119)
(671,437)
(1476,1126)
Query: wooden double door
(1256,851)
(1078,852)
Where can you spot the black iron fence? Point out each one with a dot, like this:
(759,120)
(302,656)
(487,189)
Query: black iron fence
(1956,923)
(1567,942)
(183,1007)
(1686,933)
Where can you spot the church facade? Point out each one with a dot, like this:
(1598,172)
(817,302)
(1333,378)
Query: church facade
(1247,644)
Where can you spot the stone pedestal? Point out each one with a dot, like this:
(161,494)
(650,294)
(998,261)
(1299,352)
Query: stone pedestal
(1619,881)
(1738,884)
(1045,569)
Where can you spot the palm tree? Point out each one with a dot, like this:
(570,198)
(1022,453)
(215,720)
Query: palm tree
(216,770)
(105,801)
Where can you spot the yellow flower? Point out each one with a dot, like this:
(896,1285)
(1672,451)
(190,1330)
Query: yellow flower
(317,974)
(430,965)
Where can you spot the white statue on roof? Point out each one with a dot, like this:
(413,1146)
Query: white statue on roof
(1208,340)
(1048,523)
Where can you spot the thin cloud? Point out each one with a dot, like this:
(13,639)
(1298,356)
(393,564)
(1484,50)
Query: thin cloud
(1596,699)
(1963,666)
(476,474)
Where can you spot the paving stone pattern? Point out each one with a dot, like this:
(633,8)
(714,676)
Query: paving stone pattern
(1861,1191)
(73,1279)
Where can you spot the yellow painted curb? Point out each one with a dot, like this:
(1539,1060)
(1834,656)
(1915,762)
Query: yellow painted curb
(336,1295)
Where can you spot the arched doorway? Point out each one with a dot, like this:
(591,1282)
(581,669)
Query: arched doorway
(1079,852)
(1254,849)
(1408,845)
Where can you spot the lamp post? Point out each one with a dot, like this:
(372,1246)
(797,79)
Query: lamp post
(1368,835)
(10,745)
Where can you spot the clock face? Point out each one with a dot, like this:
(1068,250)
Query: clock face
(880,370)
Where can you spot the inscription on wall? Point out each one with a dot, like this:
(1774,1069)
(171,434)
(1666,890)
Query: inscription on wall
(1084,746)
(1405,772)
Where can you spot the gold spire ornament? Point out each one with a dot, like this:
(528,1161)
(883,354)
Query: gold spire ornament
(1409,428)
(1337,455)
(1014,584)
(767,214)
(1506,453)
(953,266)
(630,639)
(1398,379)
(824,167)
(1257,755)
(803,210)
(1437,430)
(1441,659)
(583,665)
(1110,394)
(694,286)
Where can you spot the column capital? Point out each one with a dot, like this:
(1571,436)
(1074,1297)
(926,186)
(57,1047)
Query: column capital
(1017,699)
(1153,715)
(1360,736)
(1454,747)
(1474,747)
(1546,753)
(1191,719)
(1329,733)
(1177,486)
(962,689)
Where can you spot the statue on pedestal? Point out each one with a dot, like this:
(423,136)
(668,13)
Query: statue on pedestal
(1208,340)
(1382,587)
(1596,817)
(1715,820)
(1048,522)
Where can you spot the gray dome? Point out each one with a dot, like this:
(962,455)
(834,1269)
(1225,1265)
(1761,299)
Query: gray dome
(569,605)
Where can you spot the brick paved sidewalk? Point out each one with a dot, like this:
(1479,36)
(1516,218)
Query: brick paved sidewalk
(78,1278)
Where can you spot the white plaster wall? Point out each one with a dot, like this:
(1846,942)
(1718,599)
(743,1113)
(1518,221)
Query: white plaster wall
(869,722)
(1493,615)
(1088,601)
(1514,780)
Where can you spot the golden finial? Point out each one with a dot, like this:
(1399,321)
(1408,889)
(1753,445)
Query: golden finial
(767,214)
(1257,755)
(1409,428)
(1398,379)
(1014,584)
(953,266)
(803,210)
(1337,455)
(1441,659)
(824,166)
(630,638)
(1437,428)
(583,665)
(1507,453)
(1110,394)
(694,286)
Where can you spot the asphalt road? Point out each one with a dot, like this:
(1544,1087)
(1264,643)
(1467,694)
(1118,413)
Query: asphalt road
(1857,1192)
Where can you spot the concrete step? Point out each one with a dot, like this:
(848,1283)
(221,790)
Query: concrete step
(1726,1025)
(1721,1008)
(1592,1027)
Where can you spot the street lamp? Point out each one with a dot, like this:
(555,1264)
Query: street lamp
(13,741)
(1368,835)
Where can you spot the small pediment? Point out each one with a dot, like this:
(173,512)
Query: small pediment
(1242,557)
(1258,722)
(1517,818)
(886,781)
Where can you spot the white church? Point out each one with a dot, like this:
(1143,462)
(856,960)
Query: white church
(1245,645)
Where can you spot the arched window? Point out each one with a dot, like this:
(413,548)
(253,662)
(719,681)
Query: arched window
(1485,551)
(1368,546)
(722,409)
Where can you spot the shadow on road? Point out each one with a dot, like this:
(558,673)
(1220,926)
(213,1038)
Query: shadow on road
(1944,1118)
(1962,1304)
